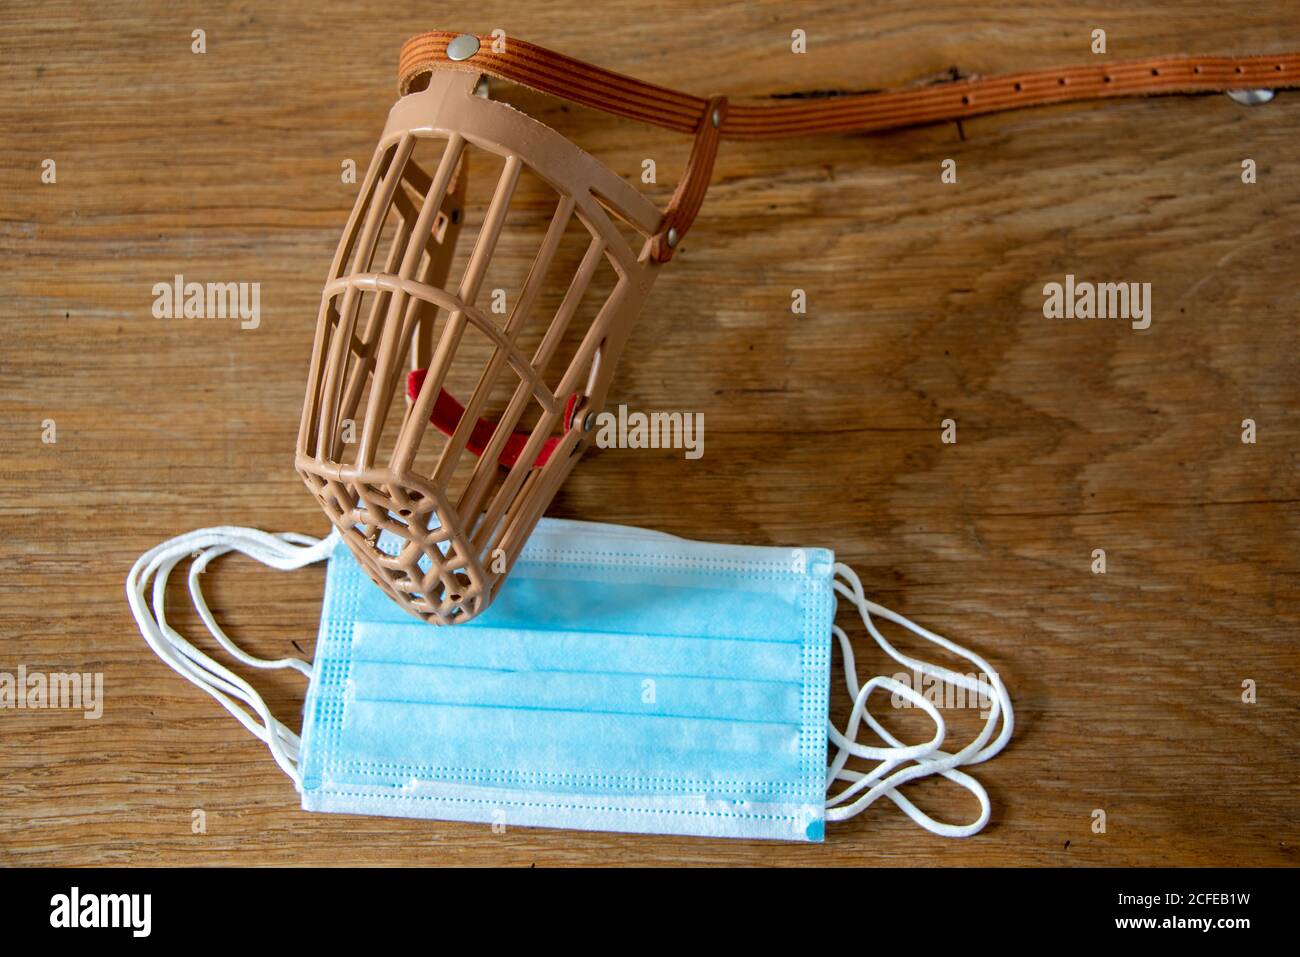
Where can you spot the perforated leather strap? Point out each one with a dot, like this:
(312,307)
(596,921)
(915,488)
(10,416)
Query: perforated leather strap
(572,79)
(563,76)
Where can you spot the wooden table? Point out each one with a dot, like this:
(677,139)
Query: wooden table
(925,304)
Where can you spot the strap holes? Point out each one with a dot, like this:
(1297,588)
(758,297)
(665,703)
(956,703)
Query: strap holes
(1019,87)
(1240,69)
(965,101)
(1062,81)
(1196,69)
(1155,72)
(1106,78)
(1278,68)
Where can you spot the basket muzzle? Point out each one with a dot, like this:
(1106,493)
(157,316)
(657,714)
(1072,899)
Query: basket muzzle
(431,412)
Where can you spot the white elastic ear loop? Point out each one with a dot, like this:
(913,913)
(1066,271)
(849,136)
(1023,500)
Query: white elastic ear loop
(846,740)
(201,670)
(994,690)
(284,551)
(890,757)
(931,762)
(201,604)
(939,762)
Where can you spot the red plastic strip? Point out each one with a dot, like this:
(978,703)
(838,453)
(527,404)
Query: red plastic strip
(447,413)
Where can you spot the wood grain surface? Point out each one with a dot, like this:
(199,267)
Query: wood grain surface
(925,304)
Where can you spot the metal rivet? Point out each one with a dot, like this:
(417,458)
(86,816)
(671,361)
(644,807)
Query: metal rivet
(589,422)
(1250,97)
(672,236)
(462,47)
(717,117)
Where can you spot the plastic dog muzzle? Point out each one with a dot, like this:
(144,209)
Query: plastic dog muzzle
(451,424)
(391,305)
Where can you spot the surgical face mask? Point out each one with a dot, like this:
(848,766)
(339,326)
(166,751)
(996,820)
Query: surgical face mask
(624,680)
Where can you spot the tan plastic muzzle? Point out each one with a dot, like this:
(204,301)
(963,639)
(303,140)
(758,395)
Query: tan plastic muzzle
(390,305)
(447,406)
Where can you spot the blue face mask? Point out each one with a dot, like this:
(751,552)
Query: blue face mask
(622,680)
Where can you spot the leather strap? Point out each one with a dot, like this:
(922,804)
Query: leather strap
(572,79)
(689,195)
